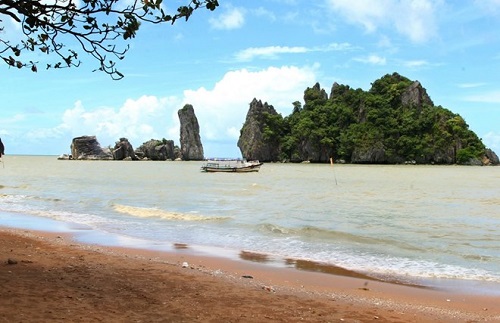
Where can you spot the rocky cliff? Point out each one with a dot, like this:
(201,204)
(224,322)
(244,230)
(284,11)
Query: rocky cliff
(394,122)
(87,147)
(191,146)
(123,150)
(416,96)
(157,150)
(256,142)
(490,158)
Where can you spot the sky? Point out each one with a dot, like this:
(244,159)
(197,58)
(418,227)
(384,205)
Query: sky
(271,50)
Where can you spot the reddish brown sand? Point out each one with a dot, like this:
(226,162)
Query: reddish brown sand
(49,278)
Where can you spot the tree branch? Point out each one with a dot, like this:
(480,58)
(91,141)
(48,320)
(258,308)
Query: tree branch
(42,24)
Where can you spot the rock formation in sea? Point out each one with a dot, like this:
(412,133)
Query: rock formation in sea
(87,147)
(308,148)
(157,150)
(191,146)
(404,97)
(123,150)
(490,158)
(394,122)
(254,142)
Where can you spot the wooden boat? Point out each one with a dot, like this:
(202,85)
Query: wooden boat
(231,166)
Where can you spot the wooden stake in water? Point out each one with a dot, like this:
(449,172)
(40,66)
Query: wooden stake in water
(2,152)
(334,176)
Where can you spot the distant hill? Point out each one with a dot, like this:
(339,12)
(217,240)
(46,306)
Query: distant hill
(394,122)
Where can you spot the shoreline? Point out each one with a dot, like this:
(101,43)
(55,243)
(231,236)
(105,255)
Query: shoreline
(87,236)
(342,293)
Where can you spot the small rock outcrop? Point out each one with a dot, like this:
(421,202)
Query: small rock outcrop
(253,144)
(490,158)
(315,93)
(157,150)
(87,147)
(64,157)
(123,150)
(191,147)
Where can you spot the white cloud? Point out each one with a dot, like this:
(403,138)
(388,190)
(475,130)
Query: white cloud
(372,59)
(271,52)
(262,12)
(487,97)
(221,111)
(14,119)
(492,141)
(470,85)
(334,47)
(232,18)
(367,13)
(77,3)
(42,134)
(267,52)
(415,63)
(138,120)
(414,19)
(12,31)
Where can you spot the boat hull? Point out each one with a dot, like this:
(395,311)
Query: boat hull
(224,167)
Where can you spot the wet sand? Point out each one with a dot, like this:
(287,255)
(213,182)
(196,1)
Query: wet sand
(48,277)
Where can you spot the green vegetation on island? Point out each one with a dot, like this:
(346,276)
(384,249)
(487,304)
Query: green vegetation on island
(394,122)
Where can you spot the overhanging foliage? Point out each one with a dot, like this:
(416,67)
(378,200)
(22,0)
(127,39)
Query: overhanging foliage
(96,25)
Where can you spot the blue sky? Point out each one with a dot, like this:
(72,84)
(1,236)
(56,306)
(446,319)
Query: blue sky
(271,50)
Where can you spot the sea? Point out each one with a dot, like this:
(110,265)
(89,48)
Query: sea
(429,225)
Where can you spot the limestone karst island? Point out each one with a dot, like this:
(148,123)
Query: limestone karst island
(394,122)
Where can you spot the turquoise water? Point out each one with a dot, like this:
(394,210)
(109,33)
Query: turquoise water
(413,223)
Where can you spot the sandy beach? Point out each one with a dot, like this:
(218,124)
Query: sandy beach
(47,277)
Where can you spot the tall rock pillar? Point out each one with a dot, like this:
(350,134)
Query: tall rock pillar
(191,147)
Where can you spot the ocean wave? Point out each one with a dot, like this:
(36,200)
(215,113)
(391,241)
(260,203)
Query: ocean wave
(411,269)
(17,198)
(142,212)
(14,203)
(13,198)
(381,265)
(275,229)
(311,232)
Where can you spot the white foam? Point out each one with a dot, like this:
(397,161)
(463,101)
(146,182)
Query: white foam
(162,214)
